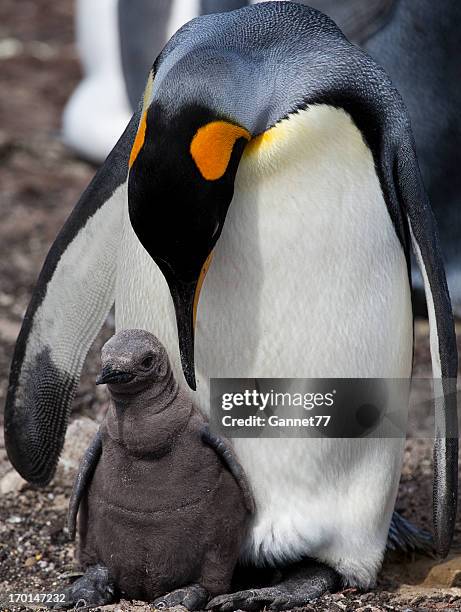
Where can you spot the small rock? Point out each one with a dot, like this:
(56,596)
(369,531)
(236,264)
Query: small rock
(80,434)
(30,561)
(5,298)
(14,519)
(41,50)
(10,47)
(12,482)
(367,597)
(138,606)
(60,502)
(446,574)
(9,329)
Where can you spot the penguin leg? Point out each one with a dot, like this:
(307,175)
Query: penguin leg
(302,583)
(192,597)
(94,588)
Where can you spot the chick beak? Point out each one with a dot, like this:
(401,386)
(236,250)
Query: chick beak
(111,376)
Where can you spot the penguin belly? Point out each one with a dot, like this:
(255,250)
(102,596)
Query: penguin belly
(308,280)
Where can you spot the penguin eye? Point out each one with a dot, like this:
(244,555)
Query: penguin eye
(147,362)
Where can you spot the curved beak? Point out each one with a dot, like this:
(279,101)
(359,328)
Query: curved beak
(183,295)
(111,376)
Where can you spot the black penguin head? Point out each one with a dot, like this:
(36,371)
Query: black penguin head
(132,361)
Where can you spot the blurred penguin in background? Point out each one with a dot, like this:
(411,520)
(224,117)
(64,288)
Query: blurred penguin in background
(98,110)
(419,47)
(118,41)
(416,41)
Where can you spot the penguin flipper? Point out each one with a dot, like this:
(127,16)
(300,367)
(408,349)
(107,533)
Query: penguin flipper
(407,538)
(227,455)
(444,353)
(71,300)
(82,481)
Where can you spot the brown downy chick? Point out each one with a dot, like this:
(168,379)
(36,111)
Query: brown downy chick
(164,504)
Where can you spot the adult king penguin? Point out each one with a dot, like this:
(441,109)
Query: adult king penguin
(275,155)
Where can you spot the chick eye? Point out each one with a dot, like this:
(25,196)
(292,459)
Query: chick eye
(147,361)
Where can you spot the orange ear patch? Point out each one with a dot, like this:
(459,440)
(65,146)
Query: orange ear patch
(211,147)
(139,140)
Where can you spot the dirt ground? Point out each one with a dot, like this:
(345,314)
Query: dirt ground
(40,182)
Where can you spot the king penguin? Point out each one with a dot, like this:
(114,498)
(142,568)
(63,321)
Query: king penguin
(257,216)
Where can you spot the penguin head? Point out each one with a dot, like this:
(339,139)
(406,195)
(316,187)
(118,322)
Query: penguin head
(132,361)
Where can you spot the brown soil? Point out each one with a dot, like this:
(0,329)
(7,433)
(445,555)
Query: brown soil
(40,182)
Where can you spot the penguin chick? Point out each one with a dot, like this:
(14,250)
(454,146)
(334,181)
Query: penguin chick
(164,504)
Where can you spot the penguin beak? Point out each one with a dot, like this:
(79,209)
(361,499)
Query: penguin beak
(111,376)
(183,295)
(185,299)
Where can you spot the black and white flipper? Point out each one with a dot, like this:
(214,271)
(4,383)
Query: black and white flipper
(71,300)
(423,231)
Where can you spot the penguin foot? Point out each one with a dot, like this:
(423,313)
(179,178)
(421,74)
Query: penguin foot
(94,588)
(404,537)
(193,597)
(300,585)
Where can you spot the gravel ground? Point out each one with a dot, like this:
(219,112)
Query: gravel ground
(40,182)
